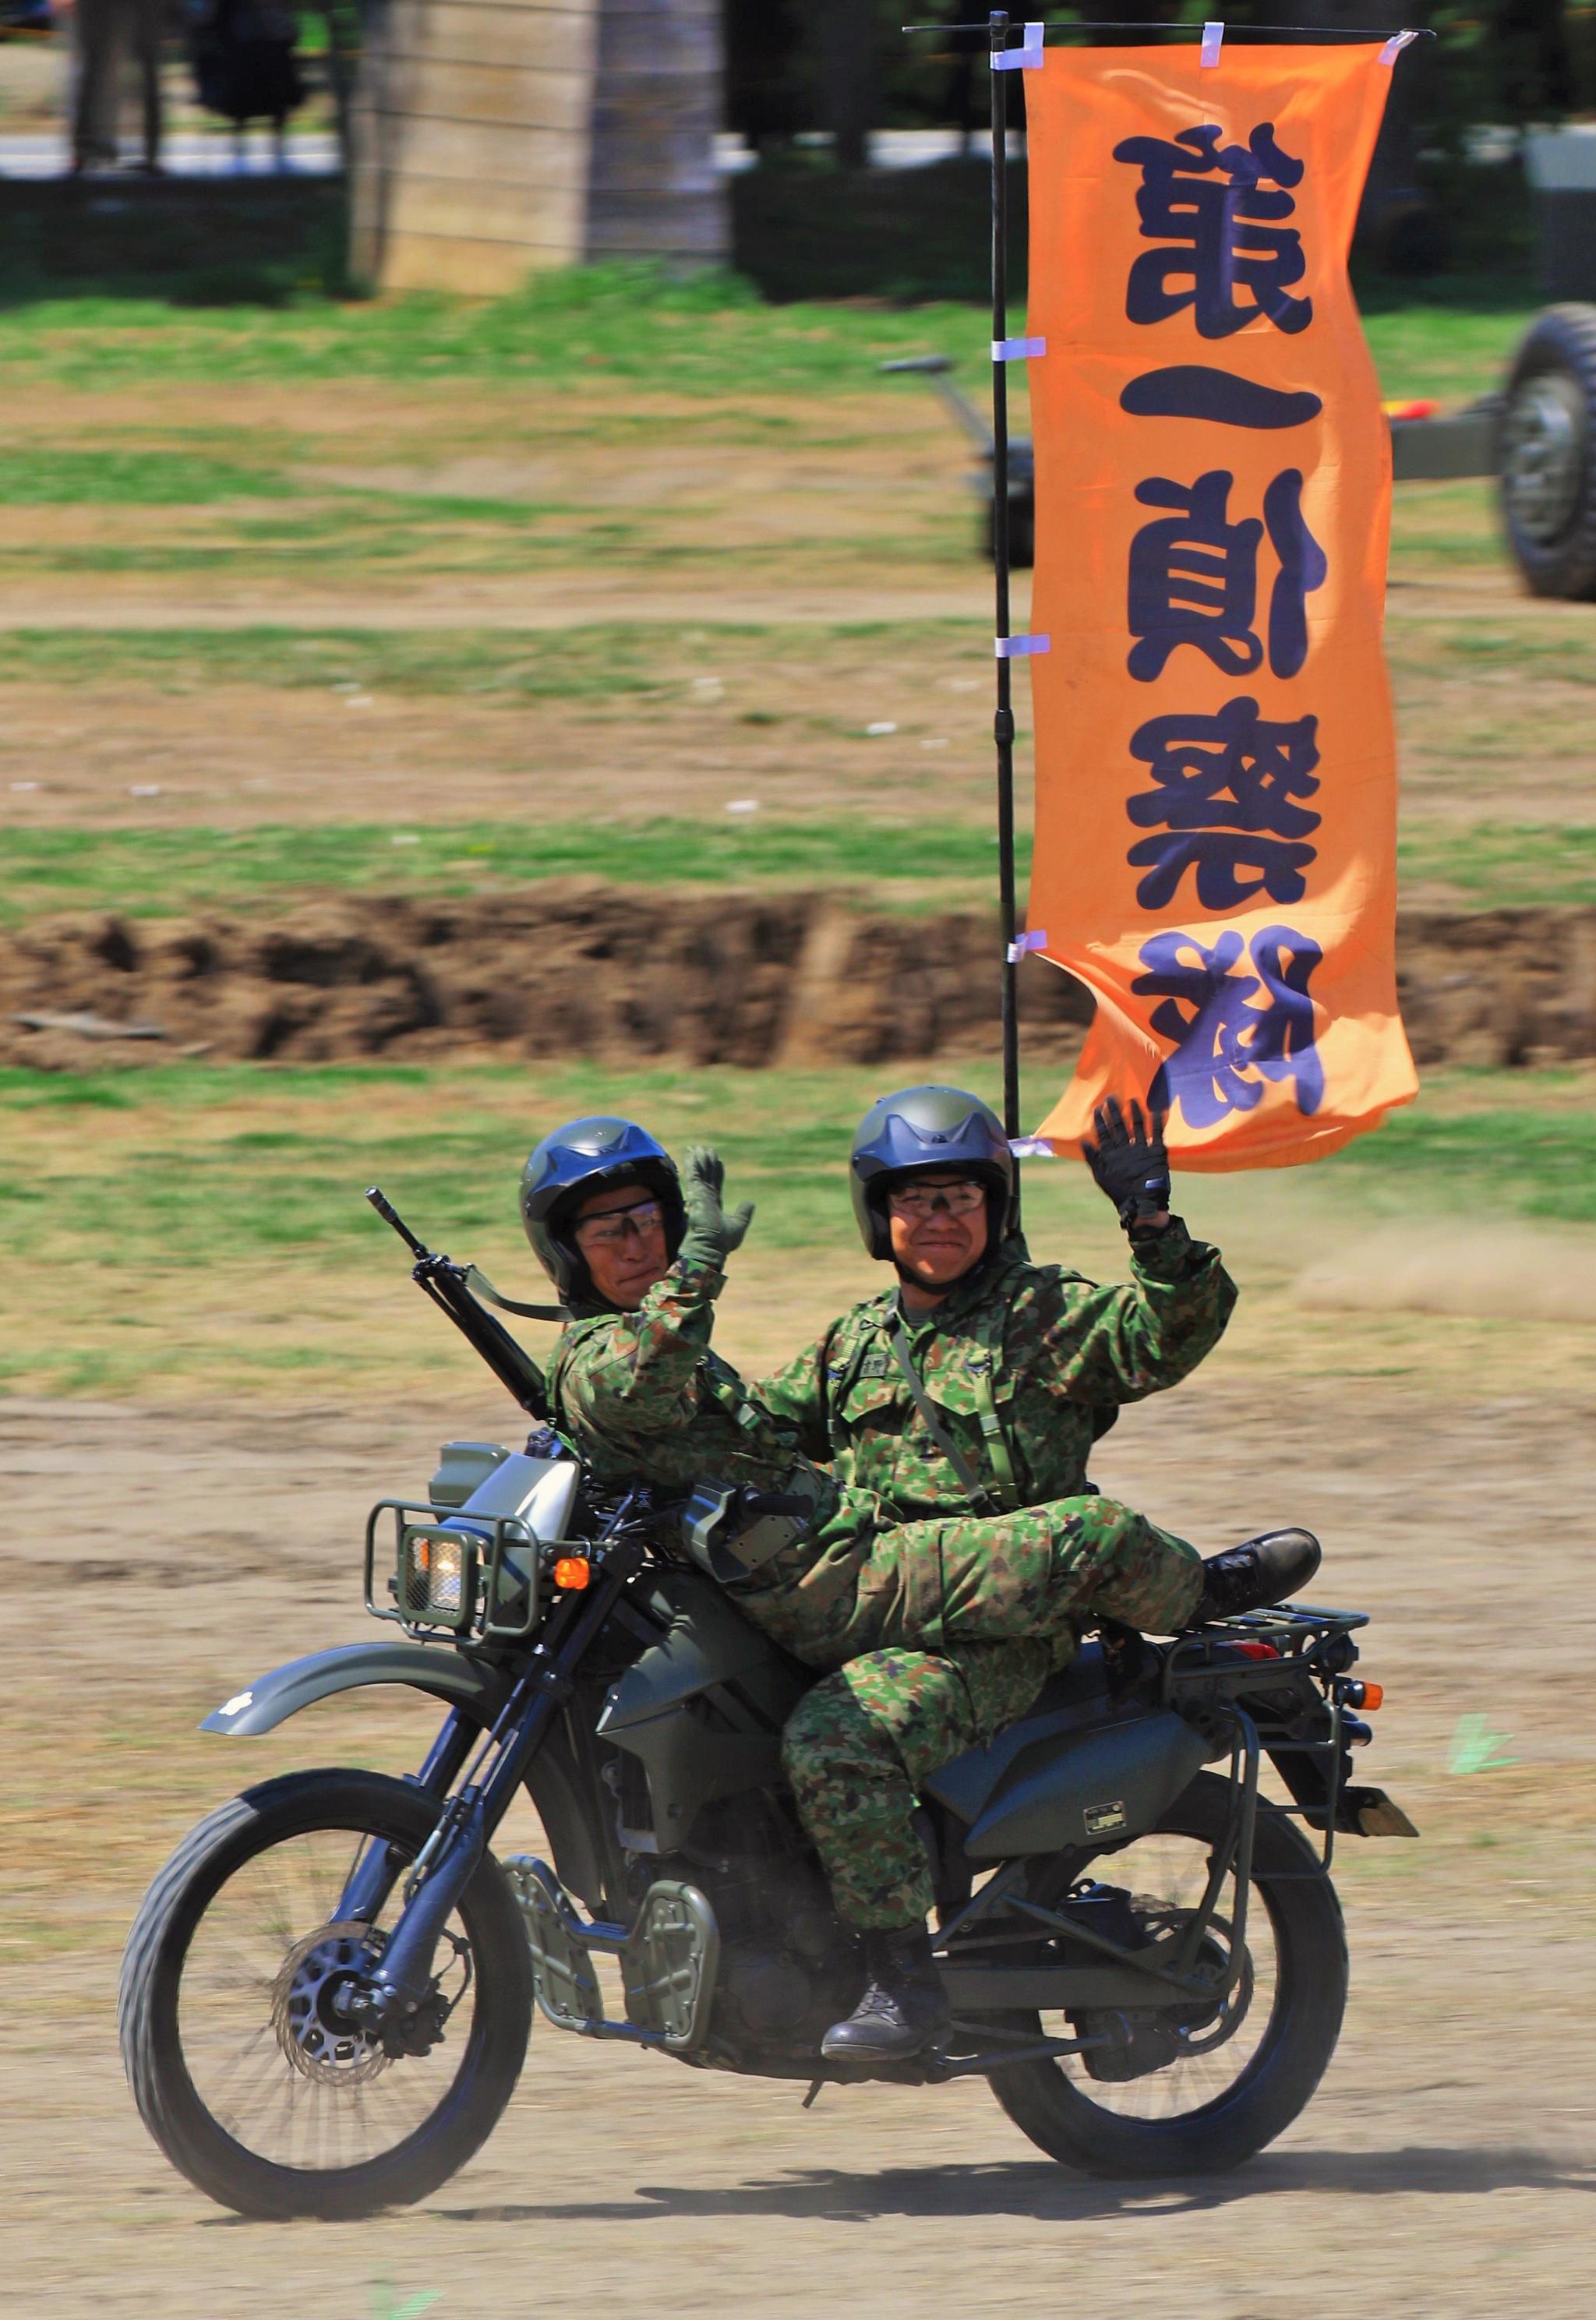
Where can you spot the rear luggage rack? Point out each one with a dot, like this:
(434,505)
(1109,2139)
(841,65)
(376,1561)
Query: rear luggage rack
(1214,1663)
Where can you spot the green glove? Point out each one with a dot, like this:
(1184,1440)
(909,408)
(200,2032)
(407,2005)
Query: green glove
(712,1235)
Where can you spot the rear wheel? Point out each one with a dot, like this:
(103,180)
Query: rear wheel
(1174,2093)
(244,2068)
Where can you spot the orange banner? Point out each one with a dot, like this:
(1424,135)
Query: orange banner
(1216,778)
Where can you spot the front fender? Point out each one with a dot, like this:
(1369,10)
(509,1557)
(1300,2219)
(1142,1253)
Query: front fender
(552,1779)
(446,1674)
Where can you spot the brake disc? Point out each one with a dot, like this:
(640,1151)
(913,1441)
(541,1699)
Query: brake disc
(315,2038)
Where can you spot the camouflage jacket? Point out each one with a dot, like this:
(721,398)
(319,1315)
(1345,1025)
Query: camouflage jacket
(647,1401)
(1018,1363)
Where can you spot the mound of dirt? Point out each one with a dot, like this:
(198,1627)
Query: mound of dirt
(722,977)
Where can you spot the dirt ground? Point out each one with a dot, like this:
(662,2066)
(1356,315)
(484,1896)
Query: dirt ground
(1440,2174)
(789,979)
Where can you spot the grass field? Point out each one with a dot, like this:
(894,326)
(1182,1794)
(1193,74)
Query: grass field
(200,1230)
(659,584)
(710,337)
(613,552)
(902,865)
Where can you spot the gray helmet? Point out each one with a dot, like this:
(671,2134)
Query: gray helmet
(584,1156)
(929,1128)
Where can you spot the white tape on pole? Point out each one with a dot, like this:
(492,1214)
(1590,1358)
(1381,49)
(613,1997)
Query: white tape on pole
(1026,58)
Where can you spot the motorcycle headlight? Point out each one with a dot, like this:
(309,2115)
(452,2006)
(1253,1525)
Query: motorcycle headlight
(438,1578)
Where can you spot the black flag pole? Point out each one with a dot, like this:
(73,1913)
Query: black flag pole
(1003,721)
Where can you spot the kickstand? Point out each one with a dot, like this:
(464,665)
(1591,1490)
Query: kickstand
(815,2087)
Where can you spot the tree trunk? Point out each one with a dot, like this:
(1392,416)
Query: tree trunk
(655,190)
(847,34)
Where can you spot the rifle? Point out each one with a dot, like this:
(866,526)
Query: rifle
(455,1289)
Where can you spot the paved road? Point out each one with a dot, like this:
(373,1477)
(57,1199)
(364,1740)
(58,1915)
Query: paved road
(193,154)
(210,153)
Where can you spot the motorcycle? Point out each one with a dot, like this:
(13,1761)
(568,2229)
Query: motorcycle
(328,1991)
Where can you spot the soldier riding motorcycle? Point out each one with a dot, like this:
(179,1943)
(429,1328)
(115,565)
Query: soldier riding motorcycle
(965,1550)
(327,1993)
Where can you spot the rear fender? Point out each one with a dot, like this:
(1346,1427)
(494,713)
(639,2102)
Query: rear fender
(478,1692)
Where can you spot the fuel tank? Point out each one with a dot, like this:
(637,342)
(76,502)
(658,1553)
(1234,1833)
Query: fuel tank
(702,1709)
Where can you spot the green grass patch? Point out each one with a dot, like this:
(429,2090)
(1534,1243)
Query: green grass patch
(149,873)
(291,1174)
(711,336)
(594,663)
(1503,1161)
(243,1253)
(1452,340)
(51,477)
(1563,655)
(1498,864)
(157,872)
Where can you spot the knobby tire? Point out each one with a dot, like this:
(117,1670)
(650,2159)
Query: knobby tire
(195,2142)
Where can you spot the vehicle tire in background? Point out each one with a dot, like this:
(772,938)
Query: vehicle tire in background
(1547,453)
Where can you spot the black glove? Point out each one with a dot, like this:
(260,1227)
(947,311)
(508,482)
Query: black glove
(712,1235)
(1130,1162)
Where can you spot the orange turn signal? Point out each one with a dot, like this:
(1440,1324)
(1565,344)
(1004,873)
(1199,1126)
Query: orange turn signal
(1374,1693)
(573,1571)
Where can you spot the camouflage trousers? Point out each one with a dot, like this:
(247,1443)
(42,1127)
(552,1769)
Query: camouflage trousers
(954,1627)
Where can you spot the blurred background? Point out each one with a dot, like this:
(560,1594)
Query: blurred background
(773,134)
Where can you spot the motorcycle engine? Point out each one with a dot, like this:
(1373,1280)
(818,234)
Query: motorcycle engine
(789,1968)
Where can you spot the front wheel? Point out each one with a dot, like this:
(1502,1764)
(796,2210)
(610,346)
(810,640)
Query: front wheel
(242,2066)
(1167,2095)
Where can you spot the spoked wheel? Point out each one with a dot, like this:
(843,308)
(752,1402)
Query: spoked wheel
(245,2068)
(1193,2090)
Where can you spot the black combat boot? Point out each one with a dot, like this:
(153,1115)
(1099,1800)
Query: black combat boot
(1262,1571)
(904,2007)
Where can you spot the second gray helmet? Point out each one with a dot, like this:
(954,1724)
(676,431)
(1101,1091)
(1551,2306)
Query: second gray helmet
(587,1155)
(929,1128)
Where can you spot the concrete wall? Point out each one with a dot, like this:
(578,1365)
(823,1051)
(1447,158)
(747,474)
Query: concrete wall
(495,137)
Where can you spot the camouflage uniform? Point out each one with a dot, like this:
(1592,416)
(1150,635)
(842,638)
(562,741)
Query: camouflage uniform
(960,1615)
(1025,1365)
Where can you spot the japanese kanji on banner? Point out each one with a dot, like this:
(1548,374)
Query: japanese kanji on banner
(1216,776)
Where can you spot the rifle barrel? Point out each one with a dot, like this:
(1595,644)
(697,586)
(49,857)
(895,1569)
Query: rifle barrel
(391,1216)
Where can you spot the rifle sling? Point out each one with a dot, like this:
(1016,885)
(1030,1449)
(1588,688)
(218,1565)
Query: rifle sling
(478,1283)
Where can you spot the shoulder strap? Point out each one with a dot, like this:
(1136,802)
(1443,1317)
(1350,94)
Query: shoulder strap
(992,1431)
(974,1488)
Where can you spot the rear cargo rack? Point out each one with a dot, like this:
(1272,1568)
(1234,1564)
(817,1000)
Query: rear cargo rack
(1304,1638)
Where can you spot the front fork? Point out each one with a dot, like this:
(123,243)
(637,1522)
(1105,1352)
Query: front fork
(400,1978)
